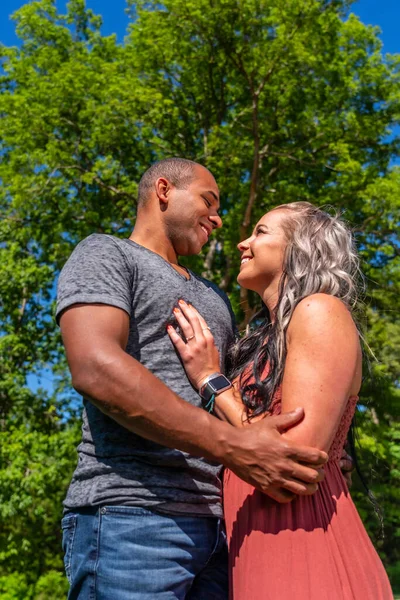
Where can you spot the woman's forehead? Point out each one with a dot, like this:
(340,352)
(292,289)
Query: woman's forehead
(273,218)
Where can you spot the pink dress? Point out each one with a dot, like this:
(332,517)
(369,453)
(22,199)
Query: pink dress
(314,548)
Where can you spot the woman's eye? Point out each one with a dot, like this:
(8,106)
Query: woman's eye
(207,202)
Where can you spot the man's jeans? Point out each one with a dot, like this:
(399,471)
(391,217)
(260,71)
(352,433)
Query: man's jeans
(128,553)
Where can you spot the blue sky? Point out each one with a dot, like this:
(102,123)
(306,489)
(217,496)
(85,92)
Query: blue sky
(384,13)
(114,18)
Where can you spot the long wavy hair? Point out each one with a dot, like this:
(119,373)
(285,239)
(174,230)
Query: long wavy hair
(320,257)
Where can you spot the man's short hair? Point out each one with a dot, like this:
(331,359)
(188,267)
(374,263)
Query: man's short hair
(178,171)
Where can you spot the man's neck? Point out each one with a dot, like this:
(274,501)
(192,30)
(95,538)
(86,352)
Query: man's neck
(167,253)
(154,239)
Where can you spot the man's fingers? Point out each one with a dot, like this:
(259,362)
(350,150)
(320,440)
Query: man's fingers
(287,420)
(305,454)
(346,462)
(280,495)
(288,490)
(306,474)
(346,465)
(299,488)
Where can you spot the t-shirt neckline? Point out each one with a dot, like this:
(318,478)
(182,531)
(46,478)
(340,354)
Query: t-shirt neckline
(180,275)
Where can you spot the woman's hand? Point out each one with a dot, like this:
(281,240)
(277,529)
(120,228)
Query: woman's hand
(199,354)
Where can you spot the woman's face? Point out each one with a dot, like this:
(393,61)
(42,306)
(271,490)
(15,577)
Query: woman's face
(263,253)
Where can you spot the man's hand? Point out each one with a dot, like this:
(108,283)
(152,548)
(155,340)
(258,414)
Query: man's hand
(95,337)
(264,458)
(275,466)
(347,466)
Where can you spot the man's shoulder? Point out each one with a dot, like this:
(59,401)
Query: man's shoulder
(98,271)
(103,246)
(96,254)
(103,239)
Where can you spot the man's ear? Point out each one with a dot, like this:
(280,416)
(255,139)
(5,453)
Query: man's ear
(163,188)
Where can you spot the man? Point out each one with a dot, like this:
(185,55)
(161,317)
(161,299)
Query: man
(143,512)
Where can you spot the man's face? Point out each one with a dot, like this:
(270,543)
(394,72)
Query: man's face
(192,213)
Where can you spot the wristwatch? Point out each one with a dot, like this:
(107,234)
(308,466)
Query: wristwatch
(214,384)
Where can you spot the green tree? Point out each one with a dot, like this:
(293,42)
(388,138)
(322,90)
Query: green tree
(282,99)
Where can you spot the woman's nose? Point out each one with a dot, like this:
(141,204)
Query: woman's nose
(244,245)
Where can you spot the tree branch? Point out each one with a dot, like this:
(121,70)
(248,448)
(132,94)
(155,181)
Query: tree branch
(96,178)
(208,261)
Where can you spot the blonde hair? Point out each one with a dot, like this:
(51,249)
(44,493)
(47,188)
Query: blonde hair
(320,257)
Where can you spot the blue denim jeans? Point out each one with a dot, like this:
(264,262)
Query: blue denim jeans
(128,553)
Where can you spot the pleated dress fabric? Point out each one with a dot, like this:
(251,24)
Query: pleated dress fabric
(314,548)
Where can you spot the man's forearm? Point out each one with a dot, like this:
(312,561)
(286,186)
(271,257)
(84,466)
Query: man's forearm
(127,392)
(95,338)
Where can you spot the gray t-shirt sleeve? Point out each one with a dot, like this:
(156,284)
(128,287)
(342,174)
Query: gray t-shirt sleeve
(97,271)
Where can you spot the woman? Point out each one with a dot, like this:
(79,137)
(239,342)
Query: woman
(302,263)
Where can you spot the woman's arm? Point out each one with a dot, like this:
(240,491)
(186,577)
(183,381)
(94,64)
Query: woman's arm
(228,406)
(323,368)
(316,315)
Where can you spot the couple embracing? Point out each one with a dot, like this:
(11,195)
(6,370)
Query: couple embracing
(148,343)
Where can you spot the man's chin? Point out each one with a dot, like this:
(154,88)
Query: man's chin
(190,249)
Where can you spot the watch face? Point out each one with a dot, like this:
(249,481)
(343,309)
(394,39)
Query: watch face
(219,382)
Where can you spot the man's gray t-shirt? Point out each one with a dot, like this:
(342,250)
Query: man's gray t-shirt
(116,466)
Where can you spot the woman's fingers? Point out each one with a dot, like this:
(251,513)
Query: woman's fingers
(198,351)
(192,317)
(184,324)
(198,323)
(176,340)
(189,322)
(202,320)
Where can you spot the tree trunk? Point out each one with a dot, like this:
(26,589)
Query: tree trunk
(244,228)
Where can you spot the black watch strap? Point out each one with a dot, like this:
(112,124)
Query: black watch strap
(215,384)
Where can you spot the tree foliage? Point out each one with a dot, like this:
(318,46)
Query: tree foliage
(283,100)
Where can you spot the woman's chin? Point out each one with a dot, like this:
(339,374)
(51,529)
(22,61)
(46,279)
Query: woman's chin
(243,282)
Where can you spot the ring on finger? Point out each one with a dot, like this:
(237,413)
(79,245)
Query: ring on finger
(190,338)
(204,328)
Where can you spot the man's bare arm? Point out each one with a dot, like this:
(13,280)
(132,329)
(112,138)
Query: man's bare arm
(95,338)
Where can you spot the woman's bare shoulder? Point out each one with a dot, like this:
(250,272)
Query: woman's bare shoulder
(321,312)
(323,325)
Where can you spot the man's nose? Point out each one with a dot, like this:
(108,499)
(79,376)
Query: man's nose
(216,220)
